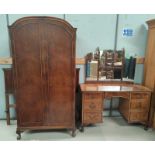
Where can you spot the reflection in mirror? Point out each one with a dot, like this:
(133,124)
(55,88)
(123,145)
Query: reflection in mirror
(109,65)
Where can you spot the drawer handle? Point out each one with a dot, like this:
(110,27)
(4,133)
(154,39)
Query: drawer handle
(92,105)
(92,97)
(92,117)
(139,104)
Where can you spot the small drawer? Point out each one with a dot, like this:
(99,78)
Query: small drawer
(140,104)
(91,117)
(93,106)
(117,94)
(140,95)
(139,116)
(92,97)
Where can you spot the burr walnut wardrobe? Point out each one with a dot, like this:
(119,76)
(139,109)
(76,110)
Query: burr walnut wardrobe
(43,51)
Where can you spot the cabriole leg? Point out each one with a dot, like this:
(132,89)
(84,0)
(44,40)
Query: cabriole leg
(18,135)
(81,128)
(73,132)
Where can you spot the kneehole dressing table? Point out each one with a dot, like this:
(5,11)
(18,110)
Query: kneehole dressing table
(134,103)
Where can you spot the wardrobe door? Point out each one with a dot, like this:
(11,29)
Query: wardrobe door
(150,60)
(149,68)
(60,65)
(28,73)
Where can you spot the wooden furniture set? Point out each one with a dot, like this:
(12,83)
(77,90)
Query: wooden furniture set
(45,82)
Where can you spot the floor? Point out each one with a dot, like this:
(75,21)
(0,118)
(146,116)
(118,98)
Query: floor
(113,129)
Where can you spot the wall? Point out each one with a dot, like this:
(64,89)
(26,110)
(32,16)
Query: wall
(134,45)
(4,52)
(96,30)
(92,31)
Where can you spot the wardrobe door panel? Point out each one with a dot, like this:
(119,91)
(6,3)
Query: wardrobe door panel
(28,79)
(60,65)
(44,73)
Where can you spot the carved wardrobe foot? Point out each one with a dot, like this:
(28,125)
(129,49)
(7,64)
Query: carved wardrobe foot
(18,135)
(81,128)
(73,132)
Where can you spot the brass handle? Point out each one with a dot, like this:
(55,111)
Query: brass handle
(92,117)
(92,105)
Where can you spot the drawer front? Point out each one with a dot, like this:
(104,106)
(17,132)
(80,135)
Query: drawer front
(92,106)
(88,97)
(141,104)
(117,94)
(139,116)
(90,117)
(144,96)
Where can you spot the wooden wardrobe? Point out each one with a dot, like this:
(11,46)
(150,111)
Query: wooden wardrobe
(43,51)
(149,68)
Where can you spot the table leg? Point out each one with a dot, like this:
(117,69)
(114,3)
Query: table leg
(110,112)
(7,109)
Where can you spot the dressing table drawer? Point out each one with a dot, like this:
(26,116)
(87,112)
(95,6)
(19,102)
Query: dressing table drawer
(140,95)
(91,117)
(93,106)
(117,94)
